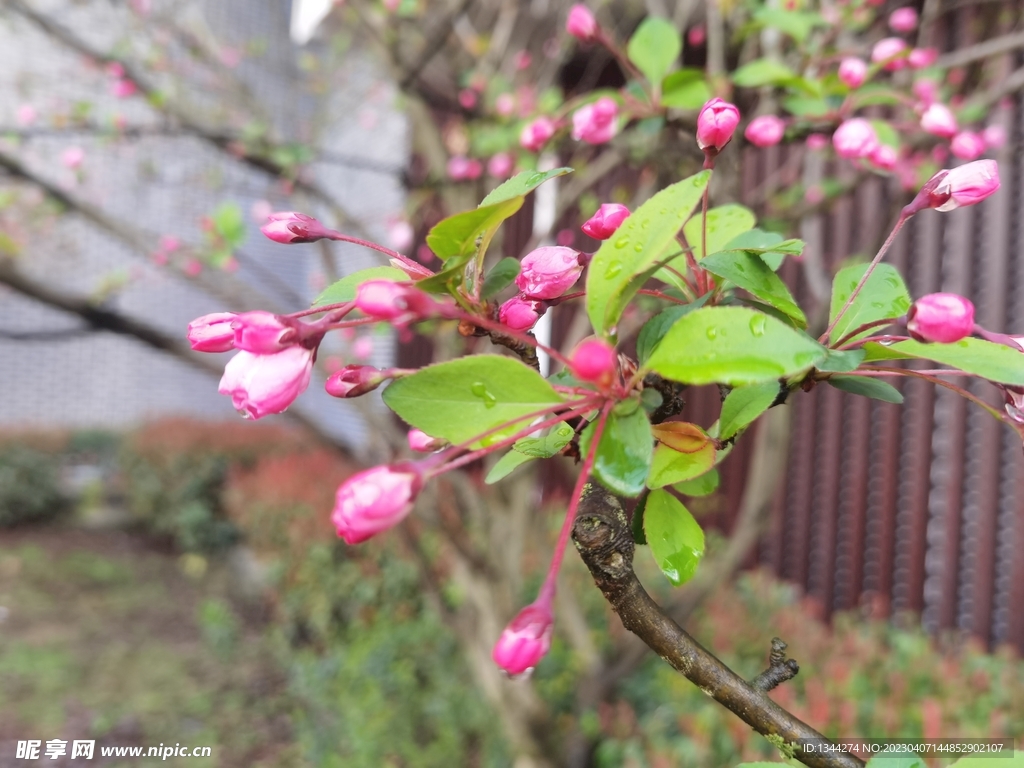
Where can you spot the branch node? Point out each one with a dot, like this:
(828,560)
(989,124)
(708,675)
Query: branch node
(780,669)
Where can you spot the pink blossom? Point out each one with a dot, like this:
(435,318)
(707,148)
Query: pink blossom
(716,124)
(548,272)
(212,333)
(26,115)
(922,58)
(526,639)
(853,71)
(967,145)
(468,98)
(260,385)
(537,133)
(565,237)
(400,234)
(522,60)
(967,184)
(354,380)
(264,333)
(903,20)
(464,168)
(855,138)
(941,317)
(581,24)
(375,500)
(596,123)
(765,131)
(505,104)
(290,227)
(123,88)
(363,347)
(520,314)
(696,35)
(884,157)
(72,157)
(814,194)
(890,50)
(193,267)
(926,90)
(169,243)
(398,303)
(501,165)
(938,120)
(421,442)
(606,221)
(994,136)
(596,361)
(817,141)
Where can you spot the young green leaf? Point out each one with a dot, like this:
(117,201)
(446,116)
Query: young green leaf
(704,485)
(841,361)
(744,404)
(685,89)
(654,330)
(521,185)
(868,387)
(733,345)
(501,276)
(670,466)
(884,296)
(460,399)
(530,448)
(725,223)
(624,455)
(675,538)
(985,359)
(460,236)
(749,272)
(654,48)
(635,249)
(796,24)
(345,289)
(763,72)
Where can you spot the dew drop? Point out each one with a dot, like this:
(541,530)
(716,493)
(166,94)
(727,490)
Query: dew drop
(613,269)
(479,389)
(622,242)
(892,282)
(639,248)
(712,333)
(757,325)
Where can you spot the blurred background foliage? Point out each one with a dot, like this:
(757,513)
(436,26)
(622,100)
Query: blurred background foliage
(193,591)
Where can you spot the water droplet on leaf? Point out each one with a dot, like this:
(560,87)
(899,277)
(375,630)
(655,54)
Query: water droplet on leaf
(757,325)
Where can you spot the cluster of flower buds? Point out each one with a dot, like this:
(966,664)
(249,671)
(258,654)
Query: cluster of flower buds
(544,274)
(596,123)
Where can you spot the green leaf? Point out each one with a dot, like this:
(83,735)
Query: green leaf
(675,538)
(796,24)
(458,235)
(725,223)
(529,448)
(762,72)
(868,387)
(886,133)
(345,289)
(875,94)
(636,523)
(654,330)
(744,404)
(634,250)
(841,361)
(802,106)
(670,466)
(685,89)
(654,48)
(770,246)
(460,399)
(229,223)
(521,185)
(995,362)
(749,272)
(704,485)
(1015,759)
(623,456)
(883,296)
(733,345)
(501,276)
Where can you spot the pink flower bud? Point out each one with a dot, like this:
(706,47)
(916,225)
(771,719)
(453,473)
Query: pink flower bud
(500,166)
(855,138)
(967,145)
(72,157)
(716,124)
(263,384)
(468,98)
(926,91)
(884,157)
(890,52)
(596,123)
(212,333)
(505,104)
(526,639)
(941,317)
(399,303)
(421,442)
(994,136)
(464,168)
(520,314)
(609,217)
(537,133)
(903,20)
(967,185)
(939,121)
(293,227)
(853,72)
(123,88)
(354,380)
(400,234)
(375,500)
(594,360)
(765,131)
(922,58)
(696,35)
(581,24)
(263,333)
(548,272)
(817,141)
(522,60)
(26,115)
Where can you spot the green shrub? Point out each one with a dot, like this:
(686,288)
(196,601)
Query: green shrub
(29,486)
